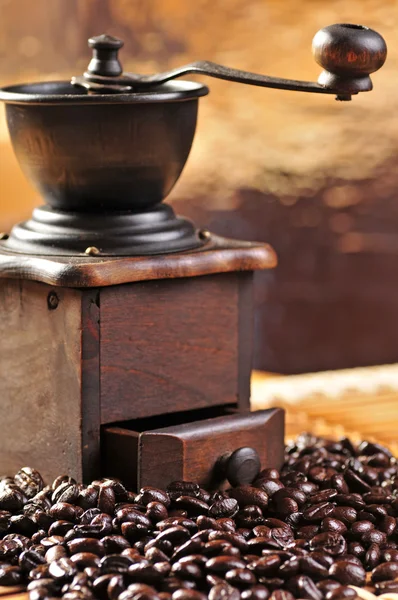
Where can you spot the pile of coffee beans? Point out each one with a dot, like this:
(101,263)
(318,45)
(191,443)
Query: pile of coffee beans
(309,531)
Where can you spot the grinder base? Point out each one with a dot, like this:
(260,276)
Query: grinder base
(117,233)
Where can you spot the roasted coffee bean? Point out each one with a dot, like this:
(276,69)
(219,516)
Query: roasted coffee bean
(356,549)
(318,512)
(307,532)
(388,525)
(53,540)
(321,475)
(281,595)
(386,587)
(176,535)
(29,481)
(272,583)
(249,495)
(352,500)
(63,511)
(250,516)
(133,532)
(22,524)
(156,511)
(356,483)
(30,559)
(132,515)
(106,499)
(233,538)
(329,542)
(334,525)
(151,494)
(338,483)
(115,563)
(85,559)
(387,571)
(115,587)
(240,578)
(289,568)
(322,496)
(185,522)
(292,493)
(113,544)
(54,553)
(270,486)
(227,507)
(144,572)
(327,585)
(262,531)
(267,566)
(345,514)
(390,555)
(324,559)
(217,547)
(10,575)
(286,506)
(308,487)
(60,528)
(92,545)
(62,569)
(359,528)
(374,537)
(88,497)
(187,570)
(223,591)
(378,511)
(311,567)
(66,492)
(372,557)
(269,473)
(341,592)
(193,506)
(182,488)
(188,548)
(11,499)
(302,586)
(222,564)
(348,573)
(260,592)
(146,544)
(188,595)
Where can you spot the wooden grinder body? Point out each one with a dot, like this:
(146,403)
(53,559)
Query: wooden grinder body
(136,345)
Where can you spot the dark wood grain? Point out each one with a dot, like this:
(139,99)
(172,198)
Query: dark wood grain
(246,335)
(49,380)
(90,384)
(219,255)
(190,451)
(169,346)
(40,380)
(119,446)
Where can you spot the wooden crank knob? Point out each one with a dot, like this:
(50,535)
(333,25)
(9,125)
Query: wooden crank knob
(105,61)
(241,466)
(348,54)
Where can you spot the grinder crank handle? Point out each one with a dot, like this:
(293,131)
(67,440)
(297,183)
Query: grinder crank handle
(348,54)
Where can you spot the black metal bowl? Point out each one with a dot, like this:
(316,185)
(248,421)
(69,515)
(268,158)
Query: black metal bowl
(107,152)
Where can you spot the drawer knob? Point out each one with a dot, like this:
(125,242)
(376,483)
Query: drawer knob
(241,466)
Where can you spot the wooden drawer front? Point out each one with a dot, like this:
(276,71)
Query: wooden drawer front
(190,451)
(172,345)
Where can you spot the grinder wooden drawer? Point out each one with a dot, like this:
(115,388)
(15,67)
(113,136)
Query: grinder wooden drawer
(190,450)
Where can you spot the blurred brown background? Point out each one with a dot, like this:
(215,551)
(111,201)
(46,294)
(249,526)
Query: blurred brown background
(314,177)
